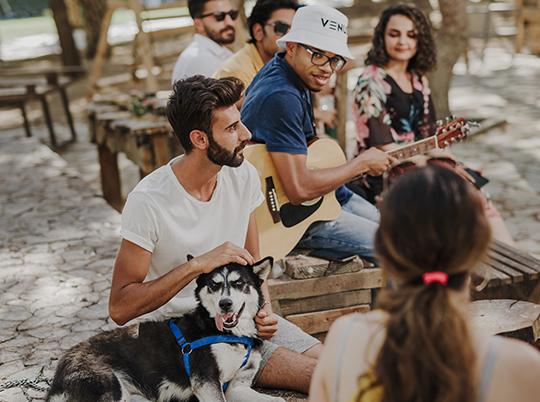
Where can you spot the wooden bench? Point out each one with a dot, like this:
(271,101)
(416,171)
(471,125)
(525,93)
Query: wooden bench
(314,303)
(146,140)
(508,273)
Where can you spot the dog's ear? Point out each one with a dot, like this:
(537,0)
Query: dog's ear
(262,268)
(189,257)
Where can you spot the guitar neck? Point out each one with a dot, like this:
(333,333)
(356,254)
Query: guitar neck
(416,148)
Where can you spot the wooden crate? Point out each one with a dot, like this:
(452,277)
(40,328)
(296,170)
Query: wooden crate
(313,304)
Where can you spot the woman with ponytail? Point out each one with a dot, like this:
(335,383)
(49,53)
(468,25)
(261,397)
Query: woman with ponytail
(418,346)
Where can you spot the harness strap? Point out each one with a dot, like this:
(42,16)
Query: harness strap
(187,347)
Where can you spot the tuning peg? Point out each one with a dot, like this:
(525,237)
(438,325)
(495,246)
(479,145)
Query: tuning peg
(439,123)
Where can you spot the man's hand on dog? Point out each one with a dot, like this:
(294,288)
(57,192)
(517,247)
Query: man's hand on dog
(266,322)
(222,255)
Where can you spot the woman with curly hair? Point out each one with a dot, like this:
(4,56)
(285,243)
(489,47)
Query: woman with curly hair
(392,100)
(419,344)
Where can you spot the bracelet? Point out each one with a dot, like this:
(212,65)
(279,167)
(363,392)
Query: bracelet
(264,304)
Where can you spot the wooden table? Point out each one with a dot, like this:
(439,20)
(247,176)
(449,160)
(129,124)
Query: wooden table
(146,140)
(21,85)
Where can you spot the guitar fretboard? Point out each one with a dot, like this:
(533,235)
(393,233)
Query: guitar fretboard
(419,147)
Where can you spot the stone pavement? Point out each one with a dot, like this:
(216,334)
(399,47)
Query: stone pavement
(509,157)
(58,238)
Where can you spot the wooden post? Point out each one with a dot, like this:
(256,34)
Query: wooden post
(160,145)
(110,176)
(70,53)
(145,48)
(101,51)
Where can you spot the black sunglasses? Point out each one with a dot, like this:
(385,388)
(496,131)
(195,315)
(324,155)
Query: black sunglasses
(220,15)
(280,27)
(320,59)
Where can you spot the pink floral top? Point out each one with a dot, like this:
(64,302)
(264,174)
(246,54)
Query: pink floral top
(384,113)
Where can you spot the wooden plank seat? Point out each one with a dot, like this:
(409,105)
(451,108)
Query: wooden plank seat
(507,273)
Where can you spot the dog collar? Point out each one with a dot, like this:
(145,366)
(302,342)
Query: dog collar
(187,347)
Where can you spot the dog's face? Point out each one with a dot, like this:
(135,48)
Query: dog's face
(232,295)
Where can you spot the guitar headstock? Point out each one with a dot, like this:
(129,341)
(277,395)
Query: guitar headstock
(451,131)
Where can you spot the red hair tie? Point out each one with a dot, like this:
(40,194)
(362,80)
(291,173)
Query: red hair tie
(435,276)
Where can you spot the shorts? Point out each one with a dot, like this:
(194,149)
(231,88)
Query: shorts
(288,336)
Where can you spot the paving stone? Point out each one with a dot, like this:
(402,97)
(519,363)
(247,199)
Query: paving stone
(12,395)
(94,312)
(74,338)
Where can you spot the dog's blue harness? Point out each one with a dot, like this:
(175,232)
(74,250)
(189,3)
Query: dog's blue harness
(187,347)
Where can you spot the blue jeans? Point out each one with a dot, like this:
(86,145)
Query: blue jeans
(352,233)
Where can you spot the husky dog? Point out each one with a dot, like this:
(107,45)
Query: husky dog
(145,358)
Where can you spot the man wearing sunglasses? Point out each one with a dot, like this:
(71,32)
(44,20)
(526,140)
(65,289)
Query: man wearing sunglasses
(269,21)
(214,22)
(278,111)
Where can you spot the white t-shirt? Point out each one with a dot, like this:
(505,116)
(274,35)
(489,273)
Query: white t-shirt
(163,218)
(202,56)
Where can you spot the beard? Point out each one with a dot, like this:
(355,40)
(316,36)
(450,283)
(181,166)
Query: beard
(220,36)
(222,157)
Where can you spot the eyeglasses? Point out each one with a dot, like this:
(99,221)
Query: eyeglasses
(221,15)
(405,166)
(320,59)
(280,27)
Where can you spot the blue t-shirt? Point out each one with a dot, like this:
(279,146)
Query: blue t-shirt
(277,109)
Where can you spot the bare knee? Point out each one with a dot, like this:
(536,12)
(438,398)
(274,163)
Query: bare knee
(287,369)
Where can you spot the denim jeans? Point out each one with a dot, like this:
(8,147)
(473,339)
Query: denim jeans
(352,233)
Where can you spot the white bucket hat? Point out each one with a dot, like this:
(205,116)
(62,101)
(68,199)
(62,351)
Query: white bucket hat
(322,27)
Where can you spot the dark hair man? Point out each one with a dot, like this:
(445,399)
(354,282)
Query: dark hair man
(201,203)
(278,110)
(214,22)
(269,21)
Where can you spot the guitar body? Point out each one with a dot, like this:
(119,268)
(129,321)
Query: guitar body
(280,224)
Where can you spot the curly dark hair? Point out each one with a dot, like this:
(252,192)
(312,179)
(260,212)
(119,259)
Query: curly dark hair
(425,58)
(193,101)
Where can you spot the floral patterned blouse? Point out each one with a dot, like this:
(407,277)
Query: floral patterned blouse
(384,113)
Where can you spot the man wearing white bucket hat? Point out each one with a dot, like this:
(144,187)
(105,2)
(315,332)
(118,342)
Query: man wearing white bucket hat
(278,111)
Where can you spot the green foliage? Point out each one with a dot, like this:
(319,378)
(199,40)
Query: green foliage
(22,8)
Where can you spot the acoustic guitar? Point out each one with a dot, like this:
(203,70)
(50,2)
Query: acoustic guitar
(282,224)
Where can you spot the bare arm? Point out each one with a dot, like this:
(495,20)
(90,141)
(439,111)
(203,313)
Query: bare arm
(302,184)
(131,297)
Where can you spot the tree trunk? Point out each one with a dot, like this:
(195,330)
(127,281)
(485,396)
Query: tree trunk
(70,53)
(93,13)
(451,41)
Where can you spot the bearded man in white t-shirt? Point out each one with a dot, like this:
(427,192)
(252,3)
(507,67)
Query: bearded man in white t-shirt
(202,203)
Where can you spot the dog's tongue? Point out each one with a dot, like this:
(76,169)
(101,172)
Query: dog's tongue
(220,318)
